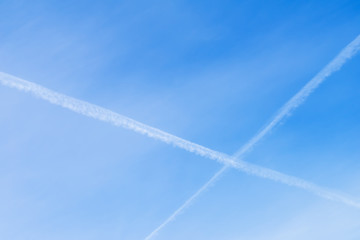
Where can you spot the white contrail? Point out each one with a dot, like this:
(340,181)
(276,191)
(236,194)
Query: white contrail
(116,119)
(106,115)
(348,52)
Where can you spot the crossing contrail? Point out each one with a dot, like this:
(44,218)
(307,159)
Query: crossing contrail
(348,52)
(116,119)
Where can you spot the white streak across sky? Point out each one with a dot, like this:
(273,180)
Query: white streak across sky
(116,119)
(348,52)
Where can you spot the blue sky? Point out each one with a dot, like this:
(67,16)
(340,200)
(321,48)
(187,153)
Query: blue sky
(213,72)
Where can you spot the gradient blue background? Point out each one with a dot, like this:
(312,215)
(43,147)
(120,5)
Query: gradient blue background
(213,72)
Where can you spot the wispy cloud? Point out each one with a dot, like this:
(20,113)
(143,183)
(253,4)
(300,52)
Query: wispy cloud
(116,119)
(348,52)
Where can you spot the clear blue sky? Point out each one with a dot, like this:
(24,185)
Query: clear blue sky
(213,72)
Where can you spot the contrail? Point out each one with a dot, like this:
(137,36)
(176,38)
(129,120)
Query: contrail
(348,52)
(116,119)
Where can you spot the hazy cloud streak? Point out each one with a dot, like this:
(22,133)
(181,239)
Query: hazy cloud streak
(348,52)
(116,119)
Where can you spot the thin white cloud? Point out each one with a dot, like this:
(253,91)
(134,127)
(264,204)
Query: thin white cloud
(116,119)
(347,53)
